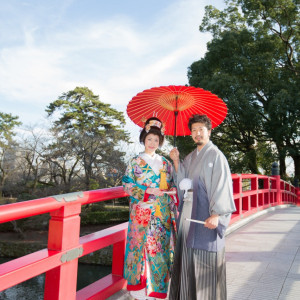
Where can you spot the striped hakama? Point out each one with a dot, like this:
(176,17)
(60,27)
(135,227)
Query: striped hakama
(197,274)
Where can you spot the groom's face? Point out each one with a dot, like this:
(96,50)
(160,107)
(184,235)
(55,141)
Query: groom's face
(200,134)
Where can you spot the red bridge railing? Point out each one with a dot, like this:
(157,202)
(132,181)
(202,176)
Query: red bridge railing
(60,260)
(253,193)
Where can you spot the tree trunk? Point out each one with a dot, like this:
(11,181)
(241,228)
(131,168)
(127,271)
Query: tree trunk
(18,230)
(252,160)
(282,156)
(282,169)
(2,181)
(87,181)
(296,159)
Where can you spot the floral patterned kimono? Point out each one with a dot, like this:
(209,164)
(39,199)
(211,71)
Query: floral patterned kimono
(152,229)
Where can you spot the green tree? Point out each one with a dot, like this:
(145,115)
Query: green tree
(252,63)
(90,129)
(8,123)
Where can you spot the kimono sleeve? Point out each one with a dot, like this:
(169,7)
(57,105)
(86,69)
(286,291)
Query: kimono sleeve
(131,187)
(172,185)
(171,172)
(220,191)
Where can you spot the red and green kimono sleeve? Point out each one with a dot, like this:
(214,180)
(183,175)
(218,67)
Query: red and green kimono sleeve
(130,185)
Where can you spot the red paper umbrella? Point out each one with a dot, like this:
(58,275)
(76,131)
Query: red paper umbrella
(174,105)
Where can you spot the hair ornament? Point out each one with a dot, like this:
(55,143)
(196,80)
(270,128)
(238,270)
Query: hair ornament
(147,127)
(163,128)
(143,120)
(154,123)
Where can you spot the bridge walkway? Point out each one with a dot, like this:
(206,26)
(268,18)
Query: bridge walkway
(263,257)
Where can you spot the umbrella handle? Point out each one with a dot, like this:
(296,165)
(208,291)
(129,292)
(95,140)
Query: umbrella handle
(175,126)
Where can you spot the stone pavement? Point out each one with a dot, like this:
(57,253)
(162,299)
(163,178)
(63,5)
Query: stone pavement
(263,257)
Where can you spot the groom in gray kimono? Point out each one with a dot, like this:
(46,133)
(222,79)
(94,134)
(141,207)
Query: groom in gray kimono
(199,269)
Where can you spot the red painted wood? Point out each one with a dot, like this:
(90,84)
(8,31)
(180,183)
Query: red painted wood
(15,211)
(28,266)
(101,239)
(61,282)
(105,194)
(64,230)
(102,289)
(278,190)
(118,258)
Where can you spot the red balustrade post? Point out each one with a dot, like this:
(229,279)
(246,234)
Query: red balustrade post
(275,174)
(237,190)
(267,196)
(254,187)
(118,258)
(64,231)
(297,191)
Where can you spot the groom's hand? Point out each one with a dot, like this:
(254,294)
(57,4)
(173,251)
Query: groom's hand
(174,155)
(212,222)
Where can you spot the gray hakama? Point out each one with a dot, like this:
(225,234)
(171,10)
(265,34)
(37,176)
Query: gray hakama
(199,270)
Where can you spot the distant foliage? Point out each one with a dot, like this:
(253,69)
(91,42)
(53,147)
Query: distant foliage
(252,63)
(80,151)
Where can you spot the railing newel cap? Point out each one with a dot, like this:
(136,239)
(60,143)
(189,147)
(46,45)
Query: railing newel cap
(70,197)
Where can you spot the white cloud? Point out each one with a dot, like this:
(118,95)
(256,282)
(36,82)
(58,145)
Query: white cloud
(116,57)
(28,72)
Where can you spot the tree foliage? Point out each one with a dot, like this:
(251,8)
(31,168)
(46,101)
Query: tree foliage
(252,63)
(80,151)
(8,123)
(81,111)
(88,130)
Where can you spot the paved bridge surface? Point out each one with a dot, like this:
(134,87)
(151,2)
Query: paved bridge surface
(263,257)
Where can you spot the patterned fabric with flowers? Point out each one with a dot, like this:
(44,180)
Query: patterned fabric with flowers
(151,229)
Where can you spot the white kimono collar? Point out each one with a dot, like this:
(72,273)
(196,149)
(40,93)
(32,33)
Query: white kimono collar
(155,161)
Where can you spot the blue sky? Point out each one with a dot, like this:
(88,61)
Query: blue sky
(115,48)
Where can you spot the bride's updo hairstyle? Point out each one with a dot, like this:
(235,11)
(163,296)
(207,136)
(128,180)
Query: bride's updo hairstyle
(155,126)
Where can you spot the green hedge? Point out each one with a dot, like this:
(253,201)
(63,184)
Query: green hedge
(104,217)
(95,215)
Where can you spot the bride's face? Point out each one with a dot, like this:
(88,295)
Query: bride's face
(151,143)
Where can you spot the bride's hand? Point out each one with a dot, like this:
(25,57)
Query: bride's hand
(154,191)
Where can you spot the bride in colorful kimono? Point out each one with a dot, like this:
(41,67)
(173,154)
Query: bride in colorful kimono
(152,229)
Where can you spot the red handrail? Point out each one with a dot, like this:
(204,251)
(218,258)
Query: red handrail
(60,259)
